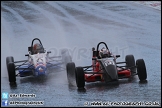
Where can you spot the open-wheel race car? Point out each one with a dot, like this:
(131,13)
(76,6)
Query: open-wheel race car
(104,68)
(37,63)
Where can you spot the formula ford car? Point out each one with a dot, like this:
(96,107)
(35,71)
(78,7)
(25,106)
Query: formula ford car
(104,68)
(37,63)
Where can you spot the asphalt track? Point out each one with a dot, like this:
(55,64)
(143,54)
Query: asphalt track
(126,27)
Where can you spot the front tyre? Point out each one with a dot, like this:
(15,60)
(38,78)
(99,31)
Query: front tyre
(141,69)
(11,72)
(80,81)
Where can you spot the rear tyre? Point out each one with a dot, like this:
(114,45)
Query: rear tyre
(11,72)
(141,69)
(70,67)
(130,62)
(80,81)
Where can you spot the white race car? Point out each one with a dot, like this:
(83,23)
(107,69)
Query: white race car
(37,63)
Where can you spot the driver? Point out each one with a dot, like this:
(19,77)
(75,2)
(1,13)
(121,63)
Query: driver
(103,53)
(38,48)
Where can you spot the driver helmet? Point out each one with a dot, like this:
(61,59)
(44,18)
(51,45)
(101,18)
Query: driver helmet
(103,53)
(38,48)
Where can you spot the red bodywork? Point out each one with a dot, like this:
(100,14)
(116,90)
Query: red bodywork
(94,77)
(99,77)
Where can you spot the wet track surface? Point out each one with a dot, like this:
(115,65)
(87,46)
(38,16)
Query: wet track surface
(126,27)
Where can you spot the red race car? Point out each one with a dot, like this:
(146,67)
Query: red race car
(104,68)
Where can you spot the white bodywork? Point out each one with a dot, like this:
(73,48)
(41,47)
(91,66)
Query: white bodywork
(38,58)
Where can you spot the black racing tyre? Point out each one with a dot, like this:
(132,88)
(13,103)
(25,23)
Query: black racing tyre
(11,72)
(70,67)
(80,80)
(8,60)
(141,69)
(130,62)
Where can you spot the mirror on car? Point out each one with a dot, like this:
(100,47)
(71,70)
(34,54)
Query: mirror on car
(26,54)
(48,51)
(94,58)
(117,55)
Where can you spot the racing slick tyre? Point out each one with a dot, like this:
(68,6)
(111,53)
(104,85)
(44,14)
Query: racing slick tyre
(11,72)
(141,69)
(80,81)
(130,62)
(70,67)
